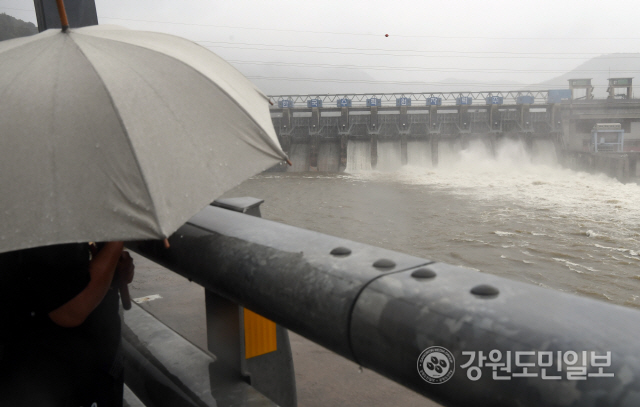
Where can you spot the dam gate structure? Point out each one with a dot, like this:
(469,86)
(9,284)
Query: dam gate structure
(390,130)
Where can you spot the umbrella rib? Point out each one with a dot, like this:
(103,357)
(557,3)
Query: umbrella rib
(8,45)
(20,73)
(263,132)
(124,129)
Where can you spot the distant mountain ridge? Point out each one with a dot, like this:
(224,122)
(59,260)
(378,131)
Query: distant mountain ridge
(11,27)
(350,81)
(600,69)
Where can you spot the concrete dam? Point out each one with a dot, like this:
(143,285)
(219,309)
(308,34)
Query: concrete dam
(335,133)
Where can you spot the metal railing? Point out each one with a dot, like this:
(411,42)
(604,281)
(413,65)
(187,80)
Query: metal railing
(417,99)
(609,147)
(383,309)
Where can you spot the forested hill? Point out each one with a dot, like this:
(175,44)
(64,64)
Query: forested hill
(11,27)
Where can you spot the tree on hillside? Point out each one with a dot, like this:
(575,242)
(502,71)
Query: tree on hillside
(11,27)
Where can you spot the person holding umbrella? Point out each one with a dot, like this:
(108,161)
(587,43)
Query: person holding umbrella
(108,134)
(60,336)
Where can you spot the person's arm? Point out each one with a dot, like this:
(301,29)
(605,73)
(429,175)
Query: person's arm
(101,268)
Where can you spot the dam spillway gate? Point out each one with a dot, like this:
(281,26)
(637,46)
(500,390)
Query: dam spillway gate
(320,139)
(385,131)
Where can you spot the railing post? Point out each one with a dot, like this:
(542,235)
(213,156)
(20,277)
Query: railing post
(246,343)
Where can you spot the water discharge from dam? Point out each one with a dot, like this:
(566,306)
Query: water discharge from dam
(544,152)
(448,152)
(419,153)
(329,157)
(358,156)
(451,154)
(517,214)
(299,156)
(389,156)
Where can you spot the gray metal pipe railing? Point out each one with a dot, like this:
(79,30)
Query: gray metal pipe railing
(382,309)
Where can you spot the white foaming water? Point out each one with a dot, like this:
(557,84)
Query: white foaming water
(419,153)
(358,156)
(518,176)
(544,152)
(299,155)
(533,185)
(389,156)
(448,153)
(329,157)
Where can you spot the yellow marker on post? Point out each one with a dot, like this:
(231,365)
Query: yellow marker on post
(259,335)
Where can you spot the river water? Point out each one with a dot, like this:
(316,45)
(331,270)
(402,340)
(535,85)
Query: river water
(518,215)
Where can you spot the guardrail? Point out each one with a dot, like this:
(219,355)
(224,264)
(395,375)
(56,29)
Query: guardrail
(394,313)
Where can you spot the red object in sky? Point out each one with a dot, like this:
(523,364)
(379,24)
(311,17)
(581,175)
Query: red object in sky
(386,35)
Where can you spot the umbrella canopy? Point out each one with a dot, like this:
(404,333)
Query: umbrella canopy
(113,134)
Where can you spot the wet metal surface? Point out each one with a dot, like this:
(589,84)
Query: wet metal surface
(384,320)
(281,272)
(397,317)
(164,369)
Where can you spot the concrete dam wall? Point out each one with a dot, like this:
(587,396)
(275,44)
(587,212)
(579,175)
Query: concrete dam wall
(386,138)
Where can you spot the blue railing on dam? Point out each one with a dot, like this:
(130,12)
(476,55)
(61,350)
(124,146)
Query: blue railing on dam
(483,98)
(413,99)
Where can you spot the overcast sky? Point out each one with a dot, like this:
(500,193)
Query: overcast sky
(339,42)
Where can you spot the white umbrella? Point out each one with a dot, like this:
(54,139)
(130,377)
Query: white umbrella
(113,134)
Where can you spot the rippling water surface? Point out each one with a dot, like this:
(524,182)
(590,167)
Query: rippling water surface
(517,215)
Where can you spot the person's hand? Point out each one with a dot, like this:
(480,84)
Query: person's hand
(124,276)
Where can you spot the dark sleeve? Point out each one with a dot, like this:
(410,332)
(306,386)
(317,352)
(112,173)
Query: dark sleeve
(34,282)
